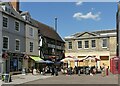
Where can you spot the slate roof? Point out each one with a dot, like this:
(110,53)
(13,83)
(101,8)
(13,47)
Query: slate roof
(49,32)
(13,12)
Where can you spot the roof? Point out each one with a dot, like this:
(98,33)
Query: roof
(48,31)
(13,12)
(99,33)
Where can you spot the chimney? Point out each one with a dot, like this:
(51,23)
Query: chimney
(15,4)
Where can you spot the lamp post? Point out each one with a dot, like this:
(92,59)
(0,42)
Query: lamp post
(56,24)
(55,50)
(118,29)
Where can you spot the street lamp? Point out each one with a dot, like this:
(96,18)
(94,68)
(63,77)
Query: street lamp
(55,50)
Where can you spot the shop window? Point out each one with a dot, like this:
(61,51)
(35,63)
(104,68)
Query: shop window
(16,64)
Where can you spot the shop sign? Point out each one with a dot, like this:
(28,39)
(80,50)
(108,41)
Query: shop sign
(5,55)
(26,56)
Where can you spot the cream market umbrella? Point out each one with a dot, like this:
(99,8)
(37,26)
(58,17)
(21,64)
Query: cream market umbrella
(67,59)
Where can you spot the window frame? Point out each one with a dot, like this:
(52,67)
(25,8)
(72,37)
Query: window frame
(106,42)
(32,32)
(15,25)
(16,45)
(7,22)
(92,44)
(85,44)
(32,47)
(69,45)
(78,44)
(8,43)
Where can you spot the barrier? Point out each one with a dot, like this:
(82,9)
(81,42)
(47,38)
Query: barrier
(6,78)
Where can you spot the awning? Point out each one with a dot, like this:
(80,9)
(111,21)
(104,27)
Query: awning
(36,58)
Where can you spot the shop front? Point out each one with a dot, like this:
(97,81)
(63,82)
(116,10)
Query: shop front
(16,64)
(104,60)
(13,63)
(33,62)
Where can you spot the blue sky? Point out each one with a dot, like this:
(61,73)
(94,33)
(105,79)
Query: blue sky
(74,17)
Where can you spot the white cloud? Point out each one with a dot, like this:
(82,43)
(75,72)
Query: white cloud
(89,15)
(79,2)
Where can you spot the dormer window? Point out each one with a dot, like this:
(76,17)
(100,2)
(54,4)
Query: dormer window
(28,18)
(24,16)
(3,7)
(7,9)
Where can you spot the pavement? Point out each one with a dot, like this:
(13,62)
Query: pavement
(20,79)
(75,79)
(62,79)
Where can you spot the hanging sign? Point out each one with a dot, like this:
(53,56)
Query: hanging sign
(5,55)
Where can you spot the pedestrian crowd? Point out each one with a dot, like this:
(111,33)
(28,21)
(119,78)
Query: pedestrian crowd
(88,70)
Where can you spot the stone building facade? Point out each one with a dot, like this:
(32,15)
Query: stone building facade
(101,44)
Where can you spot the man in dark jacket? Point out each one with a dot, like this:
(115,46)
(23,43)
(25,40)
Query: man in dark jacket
(53,71)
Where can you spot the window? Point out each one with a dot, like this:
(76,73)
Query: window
(69,45)
(93,43)
(5,22)
(31,31)
(31,46)
(7,9)
(16,64)
(17,26)
(104,43)
(86,44)
(79,44)
(17,44)
(5,42)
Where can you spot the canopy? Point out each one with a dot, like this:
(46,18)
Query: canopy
(70,59)
(67,59)
(36,58)
(47,61)
(91,58)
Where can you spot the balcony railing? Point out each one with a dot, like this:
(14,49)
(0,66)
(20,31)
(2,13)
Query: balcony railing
(57,47)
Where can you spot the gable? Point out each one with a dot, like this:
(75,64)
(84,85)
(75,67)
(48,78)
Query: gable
(7,8)
(87,34)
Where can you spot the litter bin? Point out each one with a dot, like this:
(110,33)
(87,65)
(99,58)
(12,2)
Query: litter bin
(6,77)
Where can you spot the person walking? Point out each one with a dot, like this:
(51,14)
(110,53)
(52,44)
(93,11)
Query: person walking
(103,70)
(79,71)
(56,71)
(107,71)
